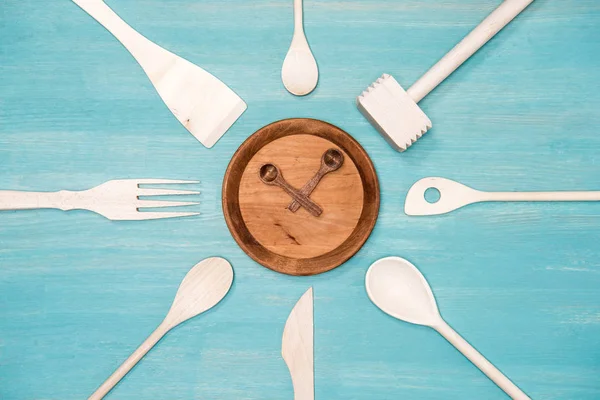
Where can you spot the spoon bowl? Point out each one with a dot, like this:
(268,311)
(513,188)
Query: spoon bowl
(269,173)
(333,159)
(207,283)
(399,289)
(453,195)
(300,72)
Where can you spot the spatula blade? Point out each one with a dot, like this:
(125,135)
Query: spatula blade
(203,104)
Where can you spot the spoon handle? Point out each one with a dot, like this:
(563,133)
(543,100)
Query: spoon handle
(128,364)
(480,361)
(307,189)
(298,16)
(304,201)
(540,196)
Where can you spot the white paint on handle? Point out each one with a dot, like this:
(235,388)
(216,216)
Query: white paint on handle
(131,361)
(479,361)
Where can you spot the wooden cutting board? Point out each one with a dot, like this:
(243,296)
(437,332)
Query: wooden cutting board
(300,243)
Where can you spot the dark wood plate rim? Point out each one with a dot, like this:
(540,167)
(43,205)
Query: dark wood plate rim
(237,226)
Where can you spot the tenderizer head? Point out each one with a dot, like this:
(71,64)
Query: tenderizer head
(393,112)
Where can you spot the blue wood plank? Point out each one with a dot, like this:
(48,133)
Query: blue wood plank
(79,293)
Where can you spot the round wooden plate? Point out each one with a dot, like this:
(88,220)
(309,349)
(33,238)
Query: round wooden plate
(300,243)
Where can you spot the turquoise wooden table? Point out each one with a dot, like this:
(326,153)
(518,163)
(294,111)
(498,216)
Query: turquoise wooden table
(521,282)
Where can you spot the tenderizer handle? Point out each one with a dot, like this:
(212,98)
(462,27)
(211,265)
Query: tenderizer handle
(479,36)
(480,362)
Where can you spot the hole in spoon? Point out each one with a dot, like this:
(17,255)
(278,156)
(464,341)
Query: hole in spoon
(432,195)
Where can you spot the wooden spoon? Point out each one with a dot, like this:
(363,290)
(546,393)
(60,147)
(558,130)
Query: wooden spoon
(454,195)
(202,288)
(299,73)
(331,161)
(400,290)
(271,175)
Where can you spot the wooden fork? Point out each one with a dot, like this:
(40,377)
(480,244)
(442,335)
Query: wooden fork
(117,200)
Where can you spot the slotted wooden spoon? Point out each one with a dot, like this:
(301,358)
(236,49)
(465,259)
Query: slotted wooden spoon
(454,195)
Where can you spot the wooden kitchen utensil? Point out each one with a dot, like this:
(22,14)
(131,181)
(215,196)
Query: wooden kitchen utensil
(400,290)
(395,113)
(331,161)
(117,200)
(203,287)
(299,73)
(454,195)
(204,105)
(298,243)
(271,175)
(297,347)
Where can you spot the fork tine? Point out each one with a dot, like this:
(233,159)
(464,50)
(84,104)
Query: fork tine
(160,215)
(164,192)
(159,204)
(163,181)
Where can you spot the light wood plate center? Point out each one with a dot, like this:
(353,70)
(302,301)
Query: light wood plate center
(300,235)
(300,243)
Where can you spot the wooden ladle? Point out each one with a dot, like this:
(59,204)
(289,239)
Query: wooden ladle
(271,175)
(201,289)
(331,161)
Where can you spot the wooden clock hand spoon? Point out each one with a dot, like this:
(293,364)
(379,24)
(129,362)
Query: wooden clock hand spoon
(400,290)
(271,175)
(202,288)
(331,161)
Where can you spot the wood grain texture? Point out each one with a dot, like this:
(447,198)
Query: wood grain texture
(297,347)
(300,243)
(520,281)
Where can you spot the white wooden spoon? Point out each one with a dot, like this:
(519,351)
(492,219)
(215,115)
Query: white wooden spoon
(202,288)
(300,73)
(399,289)
(454,195)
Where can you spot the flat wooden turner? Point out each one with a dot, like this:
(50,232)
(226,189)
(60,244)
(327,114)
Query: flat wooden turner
(204,105)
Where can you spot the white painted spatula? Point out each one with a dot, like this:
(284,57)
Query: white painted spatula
(204,105)
(202,288)
(454,195)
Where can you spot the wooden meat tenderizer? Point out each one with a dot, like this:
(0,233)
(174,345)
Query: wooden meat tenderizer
(394,111)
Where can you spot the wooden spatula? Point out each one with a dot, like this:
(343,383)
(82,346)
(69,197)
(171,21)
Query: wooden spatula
(203,104)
